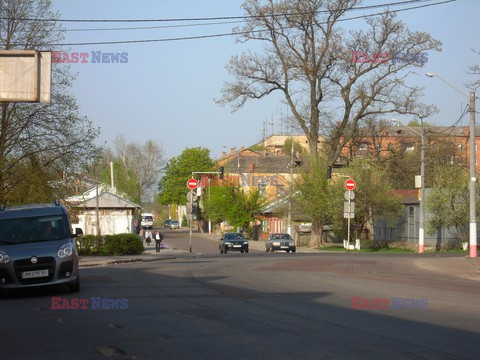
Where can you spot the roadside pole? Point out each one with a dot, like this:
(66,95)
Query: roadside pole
(348,220)
(191,218)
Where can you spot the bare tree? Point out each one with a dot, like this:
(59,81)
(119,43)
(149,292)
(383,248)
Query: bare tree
(145,161)
(54,136)
(308,57)
(332,80)
(474,70)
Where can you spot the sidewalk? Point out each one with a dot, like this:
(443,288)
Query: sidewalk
(148,255)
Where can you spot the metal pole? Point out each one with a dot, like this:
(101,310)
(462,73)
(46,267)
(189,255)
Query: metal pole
(421,230)
(98,217)
(191,218)
(291,193)
(473,179)
(348,221)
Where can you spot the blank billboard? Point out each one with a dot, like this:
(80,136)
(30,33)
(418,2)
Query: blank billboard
(25,75)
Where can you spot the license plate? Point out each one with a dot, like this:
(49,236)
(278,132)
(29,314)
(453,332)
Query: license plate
(284,247)
(237,245)
(34,274)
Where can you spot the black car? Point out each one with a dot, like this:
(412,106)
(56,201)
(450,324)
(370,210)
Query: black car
(233,241)
(166,223)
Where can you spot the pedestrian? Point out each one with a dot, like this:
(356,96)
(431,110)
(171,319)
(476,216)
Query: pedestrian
(148,236)
(141,233)
(158,241)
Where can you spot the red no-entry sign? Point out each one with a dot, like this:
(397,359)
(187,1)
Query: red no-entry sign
(192,183)
(350,184)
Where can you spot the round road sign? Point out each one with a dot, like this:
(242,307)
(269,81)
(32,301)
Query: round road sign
(192,183)
(350,184)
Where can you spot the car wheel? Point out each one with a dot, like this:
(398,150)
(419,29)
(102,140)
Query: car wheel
(266,249)
(75,288)
(241,251)
(294,250)
(246,250)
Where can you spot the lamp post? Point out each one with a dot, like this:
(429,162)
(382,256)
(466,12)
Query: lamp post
(421,226)
(473,172)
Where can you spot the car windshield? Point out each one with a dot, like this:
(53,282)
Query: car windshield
(147,218)
(230,236)
(174,222)
(281,236)
(25,230)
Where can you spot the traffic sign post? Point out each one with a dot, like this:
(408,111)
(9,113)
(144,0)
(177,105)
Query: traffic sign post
(349,206)
(192,184)
(350,184)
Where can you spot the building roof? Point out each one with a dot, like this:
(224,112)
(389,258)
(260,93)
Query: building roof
(106,199)
(415,131)
(269,163)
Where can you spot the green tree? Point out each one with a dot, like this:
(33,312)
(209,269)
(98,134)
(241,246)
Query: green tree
(172,187)
(315,197)
(448,201)
(373,197)
(53,135)
(297,148)
(230,202)
(126,181)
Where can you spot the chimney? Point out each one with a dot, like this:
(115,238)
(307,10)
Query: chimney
(232,150)
(224,154)
(242,148)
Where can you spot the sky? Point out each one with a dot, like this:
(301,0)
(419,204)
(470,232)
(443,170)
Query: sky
(166,91)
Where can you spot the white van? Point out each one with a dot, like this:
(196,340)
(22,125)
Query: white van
(147,221)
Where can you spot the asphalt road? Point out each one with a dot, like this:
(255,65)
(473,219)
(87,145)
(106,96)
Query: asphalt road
(259,305)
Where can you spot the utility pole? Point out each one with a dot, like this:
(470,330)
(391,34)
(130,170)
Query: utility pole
(291,193)
(421,229)
(473,179)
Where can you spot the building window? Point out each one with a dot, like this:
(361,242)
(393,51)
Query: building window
(411,211)
(363,147)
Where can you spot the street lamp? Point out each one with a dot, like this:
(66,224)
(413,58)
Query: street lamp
(473,172)
(421,227)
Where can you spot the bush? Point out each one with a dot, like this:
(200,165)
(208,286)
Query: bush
(119,244)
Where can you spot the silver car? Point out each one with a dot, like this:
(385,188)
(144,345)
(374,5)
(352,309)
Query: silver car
(37,247)
(280,241)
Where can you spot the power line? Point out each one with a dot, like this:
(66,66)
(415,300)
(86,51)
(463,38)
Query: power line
(155,27)
(452,127)
(234,33)
(398,3)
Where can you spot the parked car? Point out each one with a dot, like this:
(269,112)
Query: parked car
(174,224)
(279,241)
(37,247)
(233,241)
(166,223)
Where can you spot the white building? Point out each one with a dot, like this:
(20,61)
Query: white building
(115,214)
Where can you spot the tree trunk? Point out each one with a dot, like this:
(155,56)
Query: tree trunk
(316,236)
